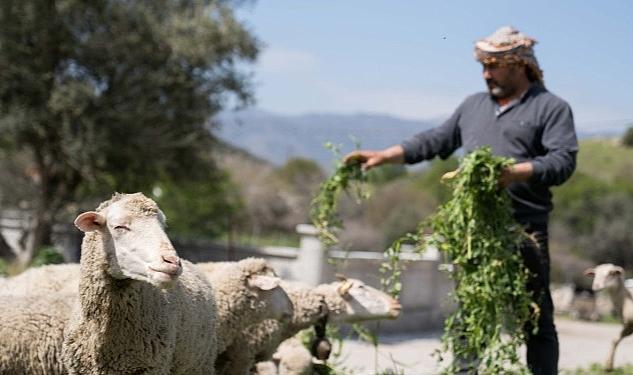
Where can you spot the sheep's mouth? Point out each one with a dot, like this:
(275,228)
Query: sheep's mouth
(167,270)
(394,310)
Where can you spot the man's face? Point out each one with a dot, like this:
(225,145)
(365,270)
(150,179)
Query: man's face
(502,79)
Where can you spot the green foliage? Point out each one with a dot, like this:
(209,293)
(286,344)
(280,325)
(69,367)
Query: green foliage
(200,208)
(115,95)
(606,160)
(602,187)
(610,238)
(391,268)
(47,255)
(627,138)
(386,173)
(581,194)
(3,267)
(333,367)
(597,369)
(604,235)
(477,232)
(429,179)
(297,171)
(323,212)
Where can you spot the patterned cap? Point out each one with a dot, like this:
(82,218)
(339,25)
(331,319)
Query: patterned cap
(508,45)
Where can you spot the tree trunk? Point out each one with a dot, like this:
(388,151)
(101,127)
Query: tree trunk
(6,252)
(38,235)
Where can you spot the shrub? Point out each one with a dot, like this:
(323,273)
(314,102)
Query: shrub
(47,255)
(627,138)
(3,267)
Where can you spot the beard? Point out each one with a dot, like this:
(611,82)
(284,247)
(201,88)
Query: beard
(500,91)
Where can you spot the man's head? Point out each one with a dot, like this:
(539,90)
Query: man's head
(508,61)
(504,80)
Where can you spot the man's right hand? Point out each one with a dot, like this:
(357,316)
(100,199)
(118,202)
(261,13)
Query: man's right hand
(369,158)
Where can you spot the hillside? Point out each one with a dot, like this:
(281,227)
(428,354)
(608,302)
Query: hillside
(276,137)
(605,159)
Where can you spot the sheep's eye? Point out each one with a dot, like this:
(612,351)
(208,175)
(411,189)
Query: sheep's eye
(121,228)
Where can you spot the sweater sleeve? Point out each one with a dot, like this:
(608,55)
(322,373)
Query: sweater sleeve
(442,141)
(561,146)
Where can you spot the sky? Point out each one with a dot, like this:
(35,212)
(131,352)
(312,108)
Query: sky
(414,59)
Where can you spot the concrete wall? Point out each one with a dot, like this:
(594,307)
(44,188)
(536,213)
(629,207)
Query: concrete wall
(424,296)
(425,288)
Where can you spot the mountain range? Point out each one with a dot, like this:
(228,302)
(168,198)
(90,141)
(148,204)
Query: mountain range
(276,138)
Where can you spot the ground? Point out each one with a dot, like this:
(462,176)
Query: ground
(581,344)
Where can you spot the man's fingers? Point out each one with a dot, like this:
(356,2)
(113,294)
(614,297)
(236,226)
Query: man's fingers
(369,164)
(353,156)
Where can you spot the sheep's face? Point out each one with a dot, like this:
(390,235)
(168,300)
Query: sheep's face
(268,296)
(606,276)
(135,241)
(362,302)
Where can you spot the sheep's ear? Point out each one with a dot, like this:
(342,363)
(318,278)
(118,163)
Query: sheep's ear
(263,282)
(340,277)
(344,288)
(591,272)
(89,221)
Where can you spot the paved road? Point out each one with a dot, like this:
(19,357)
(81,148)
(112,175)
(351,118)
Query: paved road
(581,344)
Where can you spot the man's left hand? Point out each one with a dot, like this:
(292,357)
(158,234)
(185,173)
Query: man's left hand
(520,172)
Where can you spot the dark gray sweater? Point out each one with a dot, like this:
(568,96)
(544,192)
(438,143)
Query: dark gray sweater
(538,128)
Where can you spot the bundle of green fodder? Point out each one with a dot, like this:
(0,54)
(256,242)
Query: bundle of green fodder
(324,206)
(476,231)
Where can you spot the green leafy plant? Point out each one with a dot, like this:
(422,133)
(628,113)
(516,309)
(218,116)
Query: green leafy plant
(334,365)
(477,232)
(47,255)
(391,268)
(3,267)
(323,211)
(598,369)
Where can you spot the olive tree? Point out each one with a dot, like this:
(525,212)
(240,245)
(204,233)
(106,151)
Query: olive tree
(114,95)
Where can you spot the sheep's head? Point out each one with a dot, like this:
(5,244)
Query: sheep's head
(266,292)
(362,302)
(133,235)
(606,276)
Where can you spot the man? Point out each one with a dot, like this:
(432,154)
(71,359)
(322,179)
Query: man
(518,118)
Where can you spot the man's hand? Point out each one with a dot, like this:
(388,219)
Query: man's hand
(520,172)
(369,159)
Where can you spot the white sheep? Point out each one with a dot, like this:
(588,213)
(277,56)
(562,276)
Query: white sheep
(31,333)
(292,358)
(246,292)
(348,300)
(140,309)
(63,278)
(611,278)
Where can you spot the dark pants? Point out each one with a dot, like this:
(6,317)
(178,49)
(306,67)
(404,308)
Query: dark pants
(542,348)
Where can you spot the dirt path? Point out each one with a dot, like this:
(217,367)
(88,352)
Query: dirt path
(581,344)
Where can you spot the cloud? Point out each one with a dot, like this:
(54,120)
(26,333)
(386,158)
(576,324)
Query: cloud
(294,82)
(397,101)
(288,62)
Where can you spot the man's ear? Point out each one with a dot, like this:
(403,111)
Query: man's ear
(89,221)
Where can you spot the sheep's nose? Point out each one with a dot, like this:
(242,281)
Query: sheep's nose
(172,259)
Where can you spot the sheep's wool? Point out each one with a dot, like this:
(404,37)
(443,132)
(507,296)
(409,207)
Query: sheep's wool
(136,203)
